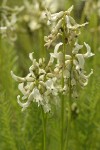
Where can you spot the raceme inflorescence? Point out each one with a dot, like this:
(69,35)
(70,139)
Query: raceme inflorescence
(43,84)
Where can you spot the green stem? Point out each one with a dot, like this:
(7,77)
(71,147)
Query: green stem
(62,121)
(69,117)
(42,48)
(44,117)
(62,98)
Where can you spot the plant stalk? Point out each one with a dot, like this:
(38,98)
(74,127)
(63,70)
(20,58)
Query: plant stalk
(69,117)
(44,117)
(42,48)
(62,98)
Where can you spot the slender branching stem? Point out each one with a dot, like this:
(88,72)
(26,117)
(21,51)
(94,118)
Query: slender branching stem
(69,116)
(44,118)
(62,98)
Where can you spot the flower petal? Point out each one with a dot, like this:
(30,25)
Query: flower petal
(16,78)
(77,48)
(81,61)
(89,53)
(24,105)
(31,56)
(21,88)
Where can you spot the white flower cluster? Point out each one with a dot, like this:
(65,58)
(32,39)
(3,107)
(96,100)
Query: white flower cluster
(43,84)
(8,21)
(35,13)
(72,68)
(91,7)
(39,85)
(63,23)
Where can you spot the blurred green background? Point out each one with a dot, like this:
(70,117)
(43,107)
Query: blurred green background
(23,130)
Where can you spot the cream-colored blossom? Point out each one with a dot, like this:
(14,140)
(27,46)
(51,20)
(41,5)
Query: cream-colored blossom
(38,85)
(73,66)
(63,22)
(50,86)
(43,84)
(88,53)
(77,48)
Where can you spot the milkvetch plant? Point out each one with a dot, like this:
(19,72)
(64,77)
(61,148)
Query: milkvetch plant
(63,74)
(40,85)
(70,62)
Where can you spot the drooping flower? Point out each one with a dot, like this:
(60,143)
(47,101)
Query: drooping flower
(9,20)
(38,86)
(73,67)
(63,73)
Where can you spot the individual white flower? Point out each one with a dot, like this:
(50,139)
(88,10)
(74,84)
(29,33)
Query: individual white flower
(89,53)
(55,30)
(16,78)
(85,78)
(51,87)
(42,77)
(53,17)
(23,105)
(56,16)
(41,61)
(56,54)
(72,25)
(37,96)
(77,48)
(35,63)
(68,63)
(81,61)
(22,89)
(49,39)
